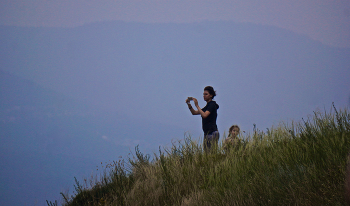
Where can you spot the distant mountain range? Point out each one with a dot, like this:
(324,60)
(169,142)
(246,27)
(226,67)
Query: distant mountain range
(47,139)
(118,66)
(21,98)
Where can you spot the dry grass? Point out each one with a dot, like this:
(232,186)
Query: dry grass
(298,164)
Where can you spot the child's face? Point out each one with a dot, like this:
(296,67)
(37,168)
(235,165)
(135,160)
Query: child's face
(234,132)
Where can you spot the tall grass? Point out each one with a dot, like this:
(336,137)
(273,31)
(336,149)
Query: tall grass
(300,163)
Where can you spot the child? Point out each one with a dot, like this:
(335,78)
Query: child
(232,141)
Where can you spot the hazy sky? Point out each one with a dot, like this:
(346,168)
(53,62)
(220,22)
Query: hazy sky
(325,20)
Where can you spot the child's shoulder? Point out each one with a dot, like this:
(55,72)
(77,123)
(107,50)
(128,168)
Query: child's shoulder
(227,140)
(230,140)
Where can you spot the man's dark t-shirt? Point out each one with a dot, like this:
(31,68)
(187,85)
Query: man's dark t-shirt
(209,123)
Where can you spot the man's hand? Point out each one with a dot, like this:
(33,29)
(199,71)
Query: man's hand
(195,101)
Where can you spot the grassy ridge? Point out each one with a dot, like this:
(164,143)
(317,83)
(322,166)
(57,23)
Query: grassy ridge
(299,164)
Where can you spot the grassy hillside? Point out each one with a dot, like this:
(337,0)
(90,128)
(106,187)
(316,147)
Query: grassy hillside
(291,164)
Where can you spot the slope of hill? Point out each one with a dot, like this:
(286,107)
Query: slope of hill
(300,164)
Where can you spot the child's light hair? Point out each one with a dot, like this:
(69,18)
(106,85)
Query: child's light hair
(232,127)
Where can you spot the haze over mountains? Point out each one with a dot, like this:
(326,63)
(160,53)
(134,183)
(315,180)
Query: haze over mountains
(47,139)
(72,98)
(118,65)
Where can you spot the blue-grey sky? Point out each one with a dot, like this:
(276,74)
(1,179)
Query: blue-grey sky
(327,21)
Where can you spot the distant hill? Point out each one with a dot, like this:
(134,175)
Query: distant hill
(48,138)
(24,99)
